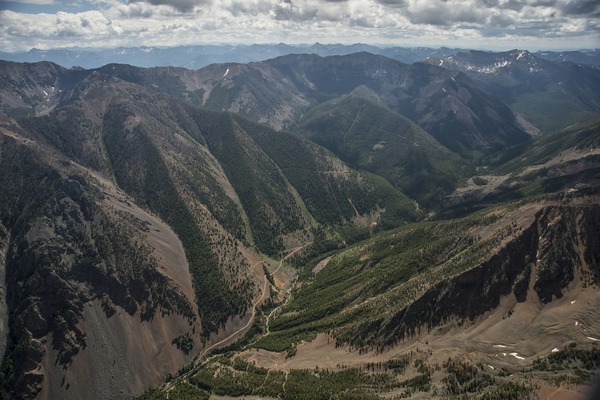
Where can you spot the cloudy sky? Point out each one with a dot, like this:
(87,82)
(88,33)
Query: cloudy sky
(483,24)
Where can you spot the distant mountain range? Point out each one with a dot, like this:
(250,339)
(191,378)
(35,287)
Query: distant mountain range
(199,56)
(280,91)
(549,94)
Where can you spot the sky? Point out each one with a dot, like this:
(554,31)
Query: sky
(477,24)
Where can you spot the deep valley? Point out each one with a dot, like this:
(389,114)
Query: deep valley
(346,226)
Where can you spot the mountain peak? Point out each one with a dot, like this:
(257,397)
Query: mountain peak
(519,54)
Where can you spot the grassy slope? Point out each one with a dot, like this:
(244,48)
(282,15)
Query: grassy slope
(551,111)
(550,163)
(359,283)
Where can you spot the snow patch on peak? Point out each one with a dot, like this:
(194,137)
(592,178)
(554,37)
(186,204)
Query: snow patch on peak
(490,69)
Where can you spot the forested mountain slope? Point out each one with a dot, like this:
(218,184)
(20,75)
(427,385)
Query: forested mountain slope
(164,214)
(126,209)
(366,133)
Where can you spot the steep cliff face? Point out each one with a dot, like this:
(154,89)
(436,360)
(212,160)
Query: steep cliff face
(567,249)
(539,259)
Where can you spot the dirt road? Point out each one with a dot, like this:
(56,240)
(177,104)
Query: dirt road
(200,360)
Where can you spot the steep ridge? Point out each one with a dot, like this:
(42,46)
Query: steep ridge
(120,128)
(142,167)
(143,315)
(409,282)
(206,129)
(333,192)
(264,192)
(501,304)
(543,258)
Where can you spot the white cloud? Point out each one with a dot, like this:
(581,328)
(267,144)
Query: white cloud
(401,22)
(35,1)
(440,12)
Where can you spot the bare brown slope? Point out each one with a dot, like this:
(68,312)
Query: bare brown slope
(167,247)
(4,240)
(151,353)
(104,286)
